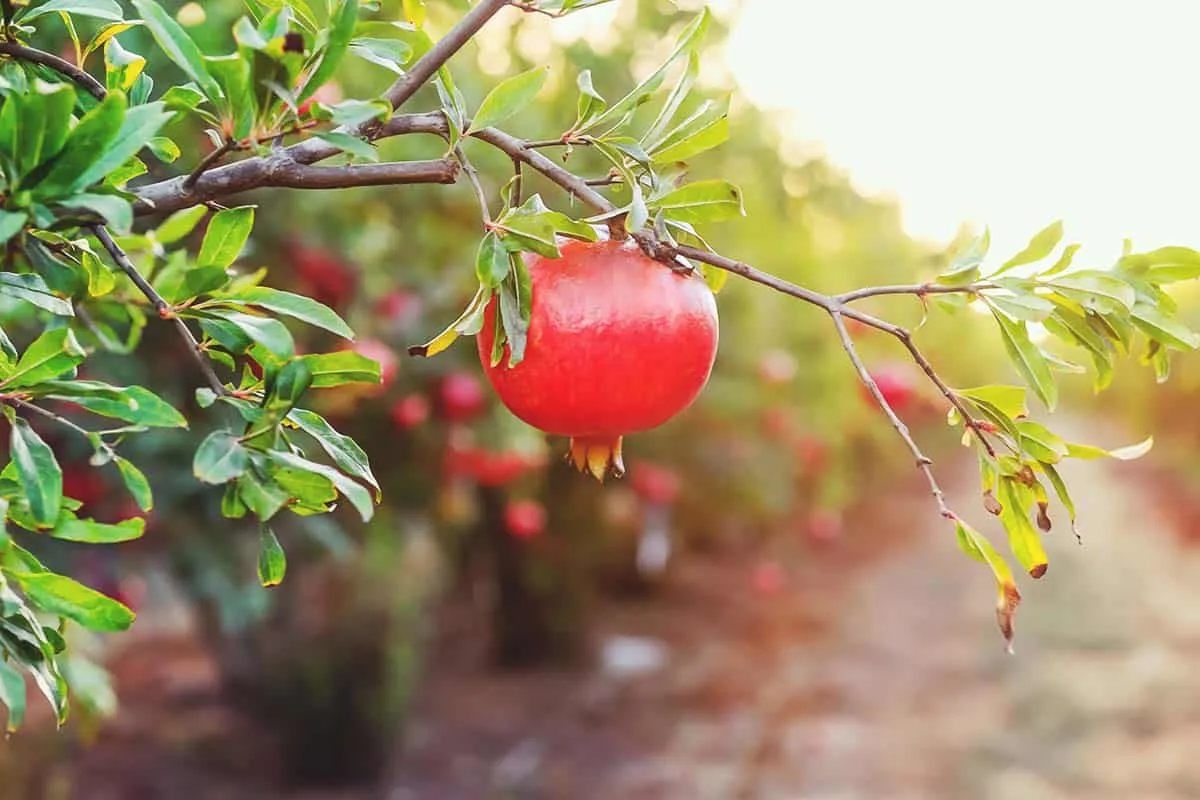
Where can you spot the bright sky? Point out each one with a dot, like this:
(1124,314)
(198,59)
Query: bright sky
(1008,114)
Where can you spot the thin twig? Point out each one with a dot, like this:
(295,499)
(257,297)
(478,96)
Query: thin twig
(6,9)
(162,306)
(435,58)
(538,144)
(473,178)
(61,420)
(209,161)
(919,289)
(65,68)
(924,463)
(514,190)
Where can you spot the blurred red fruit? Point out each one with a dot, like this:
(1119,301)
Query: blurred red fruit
(499,469)
(378,351)
(525,519)
(398,308)
(460,397)
(131,591)
(895,385)
(855,328)
(825,526)
(658,485)
(83,483)
(812,452)
(768,579)
(409,412)
(322,276)
(777,367)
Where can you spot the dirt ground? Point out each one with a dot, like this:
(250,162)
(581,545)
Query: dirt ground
(874,671)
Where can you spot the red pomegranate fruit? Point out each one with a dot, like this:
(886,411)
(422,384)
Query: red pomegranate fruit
(525,519)
(460,398)
(618,343)
(895,385)
(410,411)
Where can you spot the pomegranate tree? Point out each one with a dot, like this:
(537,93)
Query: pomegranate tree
(618,343)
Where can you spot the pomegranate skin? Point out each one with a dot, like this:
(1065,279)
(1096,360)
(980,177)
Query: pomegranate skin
(618,343)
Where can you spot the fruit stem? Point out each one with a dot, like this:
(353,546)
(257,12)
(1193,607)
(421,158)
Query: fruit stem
(597,456)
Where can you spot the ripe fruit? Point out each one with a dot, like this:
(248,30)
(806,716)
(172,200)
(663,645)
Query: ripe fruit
(322,276)
(409,412)
(398,309)
(657,485)
(460,397)
(768,578)
(618,343)
(525,519)
(825,526)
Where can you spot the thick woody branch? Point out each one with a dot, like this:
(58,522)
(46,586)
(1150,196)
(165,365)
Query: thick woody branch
(65,68)
(282,170)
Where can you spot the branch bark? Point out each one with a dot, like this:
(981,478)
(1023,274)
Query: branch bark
(61,66)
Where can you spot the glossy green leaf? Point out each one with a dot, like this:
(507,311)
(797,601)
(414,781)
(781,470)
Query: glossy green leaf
(516,327)
(1028,360)
(339,32)
(966,265)
(89,531)
(272,563)
(1089,452)
(341,367)
(1040,246)
(220,458)
(391,54)
(100,9)
(89,141)
(225,237)
(1025,306)
(351,145)
(114,210)
(60,595)
(233,73)
(32,289)
(1010,400)
(1161,326)
(1023,538)
(270,333)
(11,223)
(591,103)
(288,304)
(53,353)
(12,695)
(121,67)
(1064,496)
(344,451)
(508,97)
(38,472)
(1096,290)
(264,498)
(178,46)
(179,224)
(1164,265)
(702,201)
(136,482)
(134,404)
(1063,262)
(491,261)
(1041,443)
(355,492)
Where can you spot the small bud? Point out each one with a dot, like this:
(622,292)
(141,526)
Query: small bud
(293,43)
(1026,476)
(992,504)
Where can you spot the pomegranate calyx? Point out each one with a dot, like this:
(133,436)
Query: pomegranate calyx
(597,456)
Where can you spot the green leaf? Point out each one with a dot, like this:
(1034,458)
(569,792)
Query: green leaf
(1028,360)
(121,67)
(270,333)
(116,211)
(1096,290)
(675,99)
(591,103)
(1164,265)
(1063,262)
(1041,443)
(293,305)
(620,111)
(1040,246)
(99,9)
(54,352)
(226,236)
(104,34)
(358,496)
(1088,452)
(1008,597)
(508,97)
(179,224)
(11,223)
(340,31)
(469,323)
(178,46)
(88,530)
(33,289)
(1064,496)
(491,262)
(344,451)
(351,145)
(12,694)
(1164,328)
(220,458)
(391,54)
(1024,539)
(341,367)
(708,133)
(702,201)
(355,112)
(88,143)
(516,326)
(38,472)
(134,404)
(58,594)
(272,563)
(136,482)
(264,497)
(1024,306)
(965,266)
(1009,400)
(233,73)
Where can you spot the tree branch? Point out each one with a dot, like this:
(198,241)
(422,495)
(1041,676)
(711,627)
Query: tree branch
(924,463)
(66,68)
(919,289)
(162,306)
(427,65)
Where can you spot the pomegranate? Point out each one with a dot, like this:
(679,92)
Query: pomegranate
(84,484)
(398,310)
(498,469)
(321,275)
(525,519)
(410,411)
(460,398)
(657,485)
(768,578)
(618,343)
